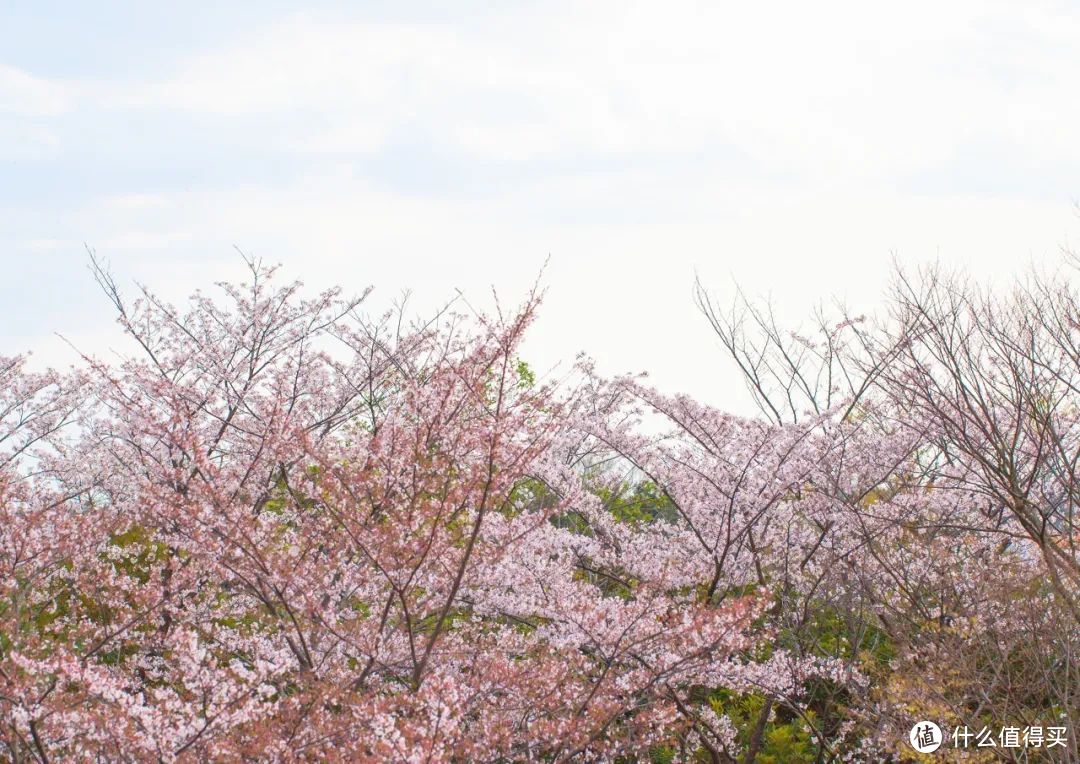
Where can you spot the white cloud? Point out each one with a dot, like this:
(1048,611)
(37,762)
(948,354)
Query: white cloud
(840,90)
(28,106)
(24,95)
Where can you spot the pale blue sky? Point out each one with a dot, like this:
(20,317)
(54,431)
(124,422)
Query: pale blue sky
(794,147)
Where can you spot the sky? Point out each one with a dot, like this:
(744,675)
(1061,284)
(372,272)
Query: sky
(794,150)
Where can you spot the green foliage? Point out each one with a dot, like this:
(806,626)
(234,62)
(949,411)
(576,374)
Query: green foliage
(786,738)
(528,494)
(637,503)
(141,552)
(526,376)
(662,754)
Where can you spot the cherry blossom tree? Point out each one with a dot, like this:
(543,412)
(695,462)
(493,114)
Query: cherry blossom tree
(964,553)
(283,527)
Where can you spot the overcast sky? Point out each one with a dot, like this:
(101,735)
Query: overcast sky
(793,148)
